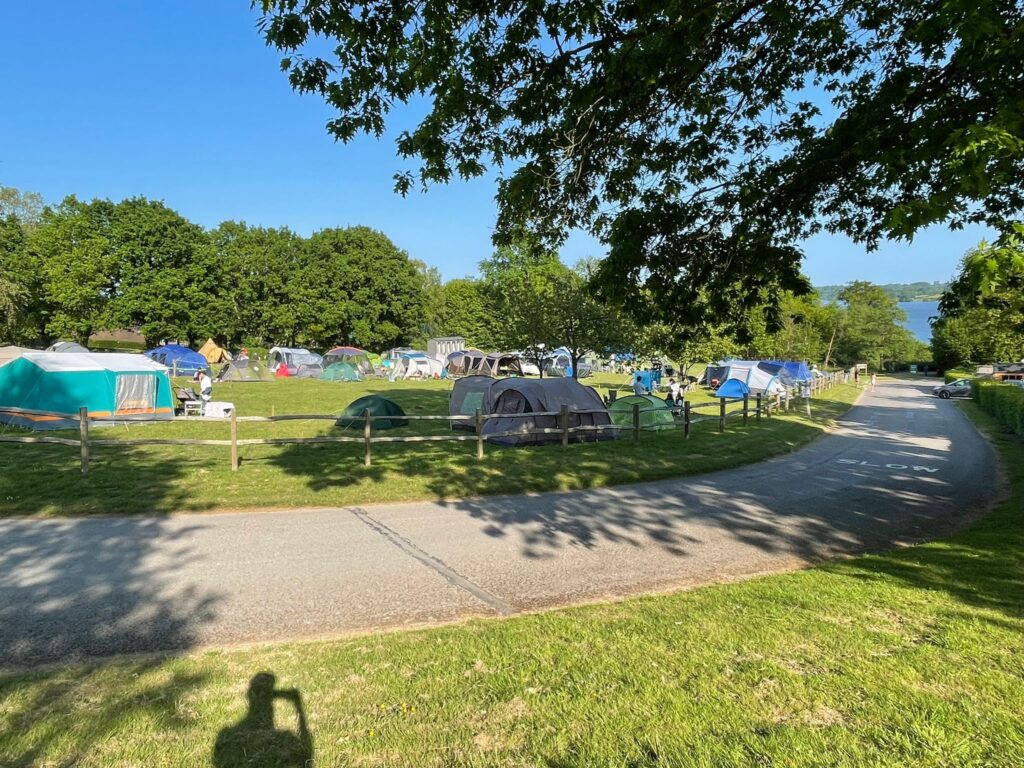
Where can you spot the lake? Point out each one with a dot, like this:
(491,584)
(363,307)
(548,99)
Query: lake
(918,313)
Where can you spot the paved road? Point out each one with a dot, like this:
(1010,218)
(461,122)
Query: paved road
(901,465)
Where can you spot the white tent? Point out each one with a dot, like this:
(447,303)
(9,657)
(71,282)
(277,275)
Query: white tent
(760,377)
(417,365)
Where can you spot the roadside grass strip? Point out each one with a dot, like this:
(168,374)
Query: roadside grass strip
(910,657)
(46,480)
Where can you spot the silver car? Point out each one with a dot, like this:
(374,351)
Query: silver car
(958,388)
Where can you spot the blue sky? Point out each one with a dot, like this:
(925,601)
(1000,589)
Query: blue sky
(181,101)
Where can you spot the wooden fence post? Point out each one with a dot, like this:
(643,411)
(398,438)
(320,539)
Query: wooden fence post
(234,440)
(479,435)
(721,414)
(565,425)
(83,437)
(636,422)
(366,437)
(746,407)
(686,419)
(758,405)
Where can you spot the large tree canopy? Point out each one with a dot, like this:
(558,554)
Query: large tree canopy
(698,139)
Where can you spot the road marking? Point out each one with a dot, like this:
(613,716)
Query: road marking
(457,579)
(892,465)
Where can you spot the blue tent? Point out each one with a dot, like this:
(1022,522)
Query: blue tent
(181,360)
(732,388)
(798,371)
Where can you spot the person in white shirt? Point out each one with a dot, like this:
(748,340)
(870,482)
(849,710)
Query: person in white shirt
(205,387)
(638,386)
(675,390)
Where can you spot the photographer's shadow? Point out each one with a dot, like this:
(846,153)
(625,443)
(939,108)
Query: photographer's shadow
(255,741)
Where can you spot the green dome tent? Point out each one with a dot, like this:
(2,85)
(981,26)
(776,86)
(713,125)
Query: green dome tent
(654,412)
(341,372)
(353,417)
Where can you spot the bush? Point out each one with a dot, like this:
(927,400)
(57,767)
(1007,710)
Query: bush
(954,374)
(1004,402)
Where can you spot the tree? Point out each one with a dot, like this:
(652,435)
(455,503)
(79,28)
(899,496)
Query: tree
(25,207)
(584,324)
(871,330)
(465,310)
(697,140)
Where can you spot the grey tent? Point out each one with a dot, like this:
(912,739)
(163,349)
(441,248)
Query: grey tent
(245,370)
(468,395)
(66,346)
(521,398)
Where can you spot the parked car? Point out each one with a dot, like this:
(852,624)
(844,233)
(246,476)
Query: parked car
(958,388)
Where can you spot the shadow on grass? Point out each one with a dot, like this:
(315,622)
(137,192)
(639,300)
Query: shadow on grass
(255,740)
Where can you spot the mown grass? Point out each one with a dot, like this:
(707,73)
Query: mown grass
(913,657)
(46,480)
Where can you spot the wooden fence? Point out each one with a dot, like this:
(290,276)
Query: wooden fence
(756,407)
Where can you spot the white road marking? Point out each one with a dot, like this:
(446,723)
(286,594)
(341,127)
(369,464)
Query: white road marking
(891,465)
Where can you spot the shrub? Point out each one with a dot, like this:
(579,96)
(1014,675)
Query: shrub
(1003,401)
(954,373)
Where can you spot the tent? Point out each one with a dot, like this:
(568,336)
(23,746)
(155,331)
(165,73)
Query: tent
(732,388)
(44,390)
(9,354)
(759,376)
(358,358)
(243,371)
(66,346)
(213,353)
(341,372)
(797,370)
(181,360)
(296,361)
(468,362)
(715,374)
(559,363)
(521,398)
(355,414)
(655,413)
(417,365)
(464,362)
(468,395)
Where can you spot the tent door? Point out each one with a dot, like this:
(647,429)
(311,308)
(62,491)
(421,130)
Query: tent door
(135,394)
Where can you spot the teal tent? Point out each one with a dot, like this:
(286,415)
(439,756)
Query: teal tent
(44,390)
(655,413)
(355,414)
(341,372)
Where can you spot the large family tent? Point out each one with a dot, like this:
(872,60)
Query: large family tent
(519,399)
(241,371)
(797,369)
(559,363)
(469,394)
(417,365)
(295,362)
(341,372)
(67,346)
(471,362)
(715,374)
(761,378)
(213,353)
(358,358)
(44,390)
(732,388)
(354,416)
(181,360)
(654,413)
(10,354)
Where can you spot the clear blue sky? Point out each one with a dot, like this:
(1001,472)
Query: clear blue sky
(181,101)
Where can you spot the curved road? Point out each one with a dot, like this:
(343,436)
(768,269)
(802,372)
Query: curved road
(900,466)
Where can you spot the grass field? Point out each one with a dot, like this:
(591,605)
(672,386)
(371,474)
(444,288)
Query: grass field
(46,479)
(908,658)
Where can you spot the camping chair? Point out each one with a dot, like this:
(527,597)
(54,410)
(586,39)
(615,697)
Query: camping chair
(189,403)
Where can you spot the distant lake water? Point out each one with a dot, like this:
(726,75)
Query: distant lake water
(918,313)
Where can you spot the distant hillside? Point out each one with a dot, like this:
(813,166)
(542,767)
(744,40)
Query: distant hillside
(899,291)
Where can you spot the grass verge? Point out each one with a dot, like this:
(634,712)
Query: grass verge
(911,657)
(46,479)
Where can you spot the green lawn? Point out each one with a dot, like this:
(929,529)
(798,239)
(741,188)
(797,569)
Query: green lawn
(909,658)
(46,480)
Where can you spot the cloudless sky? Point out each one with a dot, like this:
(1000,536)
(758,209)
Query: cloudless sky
(182,102)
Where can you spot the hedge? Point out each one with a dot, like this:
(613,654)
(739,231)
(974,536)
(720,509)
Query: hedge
(1003,401)
(957,373)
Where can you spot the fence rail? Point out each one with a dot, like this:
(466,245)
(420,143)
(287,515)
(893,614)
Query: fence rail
(756,407)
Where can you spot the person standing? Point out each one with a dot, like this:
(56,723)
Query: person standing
(874,381)
(205,387)
(638,386)
(675,391)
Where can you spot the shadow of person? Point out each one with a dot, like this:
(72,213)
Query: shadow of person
(254,741)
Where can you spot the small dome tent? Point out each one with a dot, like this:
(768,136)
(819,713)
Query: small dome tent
(295,361)
(468,395)
(655,413)
(519,399)
(354,415)
(358,358)
(559,363)
(181,360)
(341,372)
(213,353)
(417,365)
(732,388)
(66,346)
(241,371)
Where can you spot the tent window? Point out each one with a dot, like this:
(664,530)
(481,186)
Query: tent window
(136,393)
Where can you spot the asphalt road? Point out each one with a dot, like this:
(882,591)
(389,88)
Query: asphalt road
(901,466)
